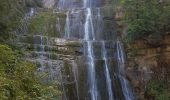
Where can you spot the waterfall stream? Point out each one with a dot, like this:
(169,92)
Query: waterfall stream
(108,78)
(121,72)
(89,31)
(94,68)
(93,35)
(67,26)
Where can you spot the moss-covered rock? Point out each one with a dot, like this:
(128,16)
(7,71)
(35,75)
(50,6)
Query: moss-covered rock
(44,23)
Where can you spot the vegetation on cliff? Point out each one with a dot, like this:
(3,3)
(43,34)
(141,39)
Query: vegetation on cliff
(148,22)
(43,22)
(12,11)
(18,79)
(146,18)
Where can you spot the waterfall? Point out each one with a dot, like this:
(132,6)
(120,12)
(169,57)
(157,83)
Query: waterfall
(107,73)
(85,54)
(88,27)
(89,32)
(85,21)
(41,56)
(67,26)
(23,26)
(87,3)
(127,91)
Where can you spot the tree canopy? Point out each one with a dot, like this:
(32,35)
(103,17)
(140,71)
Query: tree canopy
(146,17)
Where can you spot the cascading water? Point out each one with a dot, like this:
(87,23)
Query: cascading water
(85,21)
(90,74)
(89,31)
(67,26)
(127,91)
(107,73)
(41,56)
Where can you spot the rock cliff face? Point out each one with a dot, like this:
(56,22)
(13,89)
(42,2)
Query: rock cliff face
(146,62)
(147,59)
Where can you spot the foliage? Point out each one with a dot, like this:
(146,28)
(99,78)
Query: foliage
(18,80)
(11,13)
(158,89)
(34,3)
(146,17)
(43,22)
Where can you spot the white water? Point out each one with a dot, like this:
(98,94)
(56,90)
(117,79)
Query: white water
(89,31)
(67,26)
(41,56)
(58,26)
(107,73)
(87,3)
(126,88)
(89,28)
(91,73)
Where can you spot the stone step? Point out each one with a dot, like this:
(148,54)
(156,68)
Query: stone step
(55,56)
(48,56)
(46,40)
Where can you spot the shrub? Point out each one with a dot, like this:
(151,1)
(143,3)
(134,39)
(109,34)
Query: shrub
(43,22)
(146,17)
(158,89)
(18,80)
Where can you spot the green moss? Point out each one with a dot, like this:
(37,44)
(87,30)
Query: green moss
(45,23)
(41,22)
